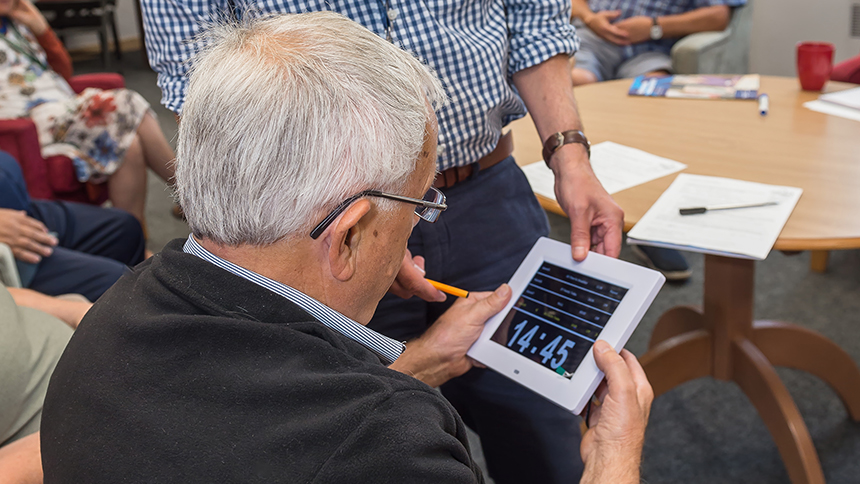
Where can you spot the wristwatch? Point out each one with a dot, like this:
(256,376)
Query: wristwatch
(556,141)
(656,30)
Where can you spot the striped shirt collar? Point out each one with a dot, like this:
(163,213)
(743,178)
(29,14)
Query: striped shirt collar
(386,348)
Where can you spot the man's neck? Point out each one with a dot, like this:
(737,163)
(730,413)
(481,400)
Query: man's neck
(292,263)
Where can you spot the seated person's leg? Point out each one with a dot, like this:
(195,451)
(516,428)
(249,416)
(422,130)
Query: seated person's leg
(581,75)
(93,230)
(14,196)
(31,343)
(596,59)
(645,63)
(68,271)
(13,189)
(21,461)
(69,308)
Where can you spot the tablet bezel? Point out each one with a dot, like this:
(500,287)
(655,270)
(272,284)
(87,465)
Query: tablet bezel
(642,286)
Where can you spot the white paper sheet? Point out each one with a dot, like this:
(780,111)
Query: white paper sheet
(833,109)
(849,98)
(746,232)
(616,166)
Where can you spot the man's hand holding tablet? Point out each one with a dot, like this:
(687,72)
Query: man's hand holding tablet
(612,447)
(543,337)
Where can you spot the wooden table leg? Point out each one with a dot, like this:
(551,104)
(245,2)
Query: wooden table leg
(796,347)
(728,307)
(721,341)
(676,321)
(759,381)
(678,360)
(818,260)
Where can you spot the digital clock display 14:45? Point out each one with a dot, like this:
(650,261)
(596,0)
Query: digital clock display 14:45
(558,317)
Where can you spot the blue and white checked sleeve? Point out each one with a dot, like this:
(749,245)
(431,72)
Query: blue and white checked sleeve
(539,30)
(170,25)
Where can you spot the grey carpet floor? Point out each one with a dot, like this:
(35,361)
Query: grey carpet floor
(704,431)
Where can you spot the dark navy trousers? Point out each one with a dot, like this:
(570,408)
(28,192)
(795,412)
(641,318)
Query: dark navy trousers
(96,245)
(477,244)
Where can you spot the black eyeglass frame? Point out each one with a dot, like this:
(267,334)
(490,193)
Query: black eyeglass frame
(441,207)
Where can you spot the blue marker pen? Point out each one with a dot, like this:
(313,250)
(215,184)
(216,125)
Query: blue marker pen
(763,104)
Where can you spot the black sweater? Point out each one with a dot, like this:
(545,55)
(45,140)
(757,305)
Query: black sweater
(183,372)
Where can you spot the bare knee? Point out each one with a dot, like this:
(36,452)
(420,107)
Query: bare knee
(582,77)
(134,152)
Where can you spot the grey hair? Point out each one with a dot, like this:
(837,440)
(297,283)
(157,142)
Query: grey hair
(288,115)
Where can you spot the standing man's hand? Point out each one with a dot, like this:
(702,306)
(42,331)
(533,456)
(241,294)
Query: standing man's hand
(596,221)
(612,447)
(27,237)
(410,281)
(601,24)
(638,29)
(440,353)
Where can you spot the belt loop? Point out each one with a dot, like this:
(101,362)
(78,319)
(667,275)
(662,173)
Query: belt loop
(450,178)
(476,167)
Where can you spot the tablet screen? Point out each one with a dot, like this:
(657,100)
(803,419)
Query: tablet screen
(558,317)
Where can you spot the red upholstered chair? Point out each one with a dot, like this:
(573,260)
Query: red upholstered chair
(54,177)
(847,71)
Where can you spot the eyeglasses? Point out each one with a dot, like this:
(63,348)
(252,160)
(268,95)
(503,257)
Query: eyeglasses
(428,209)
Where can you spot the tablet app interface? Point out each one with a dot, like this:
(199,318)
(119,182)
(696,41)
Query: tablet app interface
(558,317)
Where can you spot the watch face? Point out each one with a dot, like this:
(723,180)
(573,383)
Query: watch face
(656,32)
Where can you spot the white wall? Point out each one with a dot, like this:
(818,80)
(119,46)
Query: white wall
(780,24)
(126,18)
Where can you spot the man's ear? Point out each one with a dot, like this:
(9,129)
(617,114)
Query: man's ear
(345,235)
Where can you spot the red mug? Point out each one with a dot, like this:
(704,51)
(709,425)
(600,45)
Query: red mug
(814,63)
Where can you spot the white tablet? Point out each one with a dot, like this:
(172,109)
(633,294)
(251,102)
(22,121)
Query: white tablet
(559,307)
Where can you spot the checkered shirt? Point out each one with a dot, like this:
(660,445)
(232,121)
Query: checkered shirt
(655,8)
(475,46)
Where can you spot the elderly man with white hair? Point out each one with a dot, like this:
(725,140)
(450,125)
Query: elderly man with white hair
(306,155)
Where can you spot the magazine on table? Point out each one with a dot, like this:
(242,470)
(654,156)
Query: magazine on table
(697,86)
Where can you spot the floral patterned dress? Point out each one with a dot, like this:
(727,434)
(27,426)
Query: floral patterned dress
(93,128)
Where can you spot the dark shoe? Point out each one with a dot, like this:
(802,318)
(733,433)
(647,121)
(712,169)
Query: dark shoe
(670,262)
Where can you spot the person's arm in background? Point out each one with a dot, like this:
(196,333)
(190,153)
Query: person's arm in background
(68,311)
(600,22)
(612,447)
(21,461)
(541,40)
(58,58)
(704,19)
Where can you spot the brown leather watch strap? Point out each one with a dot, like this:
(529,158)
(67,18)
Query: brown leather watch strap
(556,141)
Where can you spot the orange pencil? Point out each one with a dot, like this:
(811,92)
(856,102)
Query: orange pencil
(449,289)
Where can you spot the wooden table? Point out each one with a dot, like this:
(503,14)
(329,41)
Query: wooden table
(791,146)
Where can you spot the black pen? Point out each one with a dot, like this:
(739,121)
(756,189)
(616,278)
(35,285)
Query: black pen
(698,210)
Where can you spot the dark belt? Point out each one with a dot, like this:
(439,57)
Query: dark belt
(457,174)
